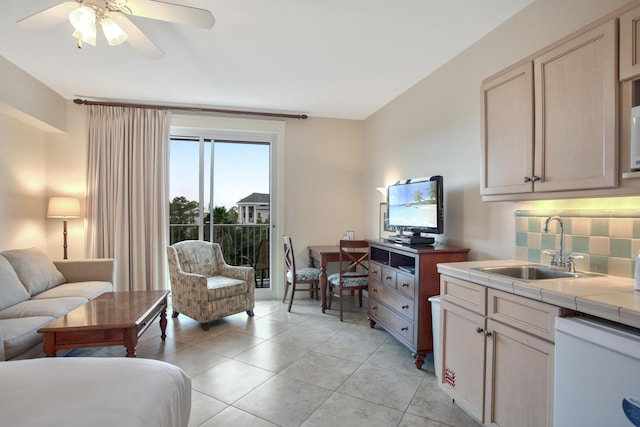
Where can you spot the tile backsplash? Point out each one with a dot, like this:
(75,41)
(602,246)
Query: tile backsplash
(607,239)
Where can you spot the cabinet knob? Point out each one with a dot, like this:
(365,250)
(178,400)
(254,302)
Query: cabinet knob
(483,331)
(374,272)
(374,290)
(387,278)
(535,178)
(404,328)
(405,307)
(526,179)
(374,307)
(405,285)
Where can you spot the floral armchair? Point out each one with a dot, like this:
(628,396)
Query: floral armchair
(203,286)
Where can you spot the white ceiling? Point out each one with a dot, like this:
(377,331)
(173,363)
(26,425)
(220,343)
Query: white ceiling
(328,58)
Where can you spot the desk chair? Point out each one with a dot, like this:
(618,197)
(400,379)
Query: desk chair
(353,274)
(298,276)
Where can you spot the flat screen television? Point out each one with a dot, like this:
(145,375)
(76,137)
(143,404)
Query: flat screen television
(416,206)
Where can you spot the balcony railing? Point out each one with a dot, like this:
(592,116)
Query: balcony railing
(236,240)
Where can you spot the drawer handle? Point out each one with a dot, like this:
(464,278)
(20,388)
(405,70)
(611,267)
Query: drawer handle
(405,285)
(374,290)
(486,333)
(374,273)
(405,307)
(374,307)
(405,328)
(387,278)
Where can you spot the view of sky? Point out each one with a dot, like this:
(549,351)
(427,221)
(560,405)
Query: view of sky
(239,170)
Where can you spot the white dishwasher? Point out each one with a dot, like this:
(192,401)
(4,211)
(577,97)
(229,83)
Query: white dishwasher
(597,374)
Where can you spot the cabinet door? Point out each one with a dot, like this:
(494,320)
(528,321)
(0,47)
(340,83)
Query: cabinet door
(462,357)
(519,382)
(575,112)
(630,44)
(507,132)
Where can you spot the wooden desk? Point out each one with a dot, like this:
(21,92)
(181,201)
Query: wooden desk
(323,255)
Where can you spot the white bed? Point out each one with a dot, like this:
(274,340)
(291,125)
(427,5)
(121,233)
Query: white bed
(96,392)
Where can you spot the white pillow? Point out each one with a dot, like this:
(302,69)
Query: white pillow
(11,290)
(35,270)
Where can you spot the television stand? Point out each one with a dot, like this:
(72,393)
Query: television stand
(411,240)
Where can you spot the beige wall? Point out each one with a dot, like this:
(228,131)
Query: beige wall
(434,128)
(22,184)
(323,181)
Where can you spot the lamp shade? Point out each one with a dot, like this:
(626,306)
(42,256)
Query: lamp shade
(63,207)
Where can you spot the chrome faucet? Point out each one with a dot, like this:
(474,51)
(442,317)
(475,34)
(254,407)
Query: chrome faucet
(560,262)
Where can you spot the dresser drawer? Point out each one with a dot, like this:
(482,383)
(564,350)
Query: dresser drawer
(534,317)
(464,294)
(406,283)
(375,272)
(392,322)
(393,299)
(389,277)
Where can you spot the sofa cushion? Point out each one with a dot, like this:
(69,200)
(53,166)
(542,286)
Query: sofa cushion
(35,270)
(88,290)
(219,287)
(54,307)
(21,334)
(12,291)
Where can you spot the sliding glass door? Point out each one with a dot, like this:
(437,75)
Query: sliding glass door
(220,191)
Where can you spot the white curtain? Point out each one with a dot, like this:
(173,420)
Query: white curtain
(127,192)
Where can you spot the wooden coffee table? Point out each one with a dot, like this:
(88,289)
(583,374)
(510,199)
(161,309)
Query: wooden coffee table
(113,318)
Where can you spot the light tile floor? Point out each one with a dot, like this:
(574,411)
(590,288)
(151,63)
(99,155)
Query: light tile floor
(302,368)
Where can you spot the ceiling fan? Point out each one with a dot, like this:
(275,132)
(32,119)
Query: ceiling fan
(111,16)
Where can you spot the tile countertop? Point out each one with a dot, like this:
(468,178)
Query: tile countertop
(607,297)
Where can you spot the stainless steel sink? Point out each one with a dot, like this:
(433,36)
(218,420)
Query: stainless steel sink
(532,272)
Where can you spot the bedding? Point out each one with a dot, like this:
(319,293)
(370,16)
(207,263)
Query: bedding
(96,392)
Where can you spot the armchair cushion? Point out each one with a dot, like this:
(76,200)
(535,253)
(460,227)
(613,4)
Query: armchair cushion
(219,287)
(198,258)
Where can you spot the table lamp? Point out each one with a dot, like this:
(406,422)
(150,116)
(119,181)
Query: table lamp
(64,207)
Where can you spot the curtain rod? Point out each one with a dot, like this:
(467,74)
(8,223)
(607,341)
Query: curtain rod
(193,109)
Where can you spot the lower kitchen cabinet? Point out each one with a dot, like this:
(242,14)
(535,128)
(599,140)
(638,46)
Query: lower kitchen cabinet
(519,378)
(497,354)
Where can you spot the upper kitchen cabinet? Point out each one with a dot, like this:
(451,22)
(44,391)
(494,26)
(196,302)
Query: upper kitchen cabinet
(630,44)
(563,137)
(575,113)
(507,131)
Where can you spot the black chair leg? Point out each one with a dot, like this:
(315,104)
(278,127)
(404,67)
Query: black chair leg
(174,314)
(250,313)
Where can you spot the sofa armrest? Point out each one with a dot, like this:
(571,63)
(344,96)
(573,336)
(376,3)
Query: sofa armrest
(84,270)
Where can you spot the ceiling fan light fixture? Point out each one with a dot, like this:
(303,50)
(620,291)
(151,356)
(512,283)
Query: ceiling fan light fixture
(83,19)
(112,31)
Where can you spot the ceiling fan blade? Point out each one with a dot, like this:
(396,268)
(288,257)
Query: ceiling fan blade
(50,17)
(136,37)
(170,12)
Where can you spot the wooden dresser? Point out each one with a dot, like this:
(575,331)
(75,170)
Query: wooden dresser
(401,280)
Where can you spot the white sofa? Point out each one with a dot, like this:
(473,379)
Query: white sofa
(34,291)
